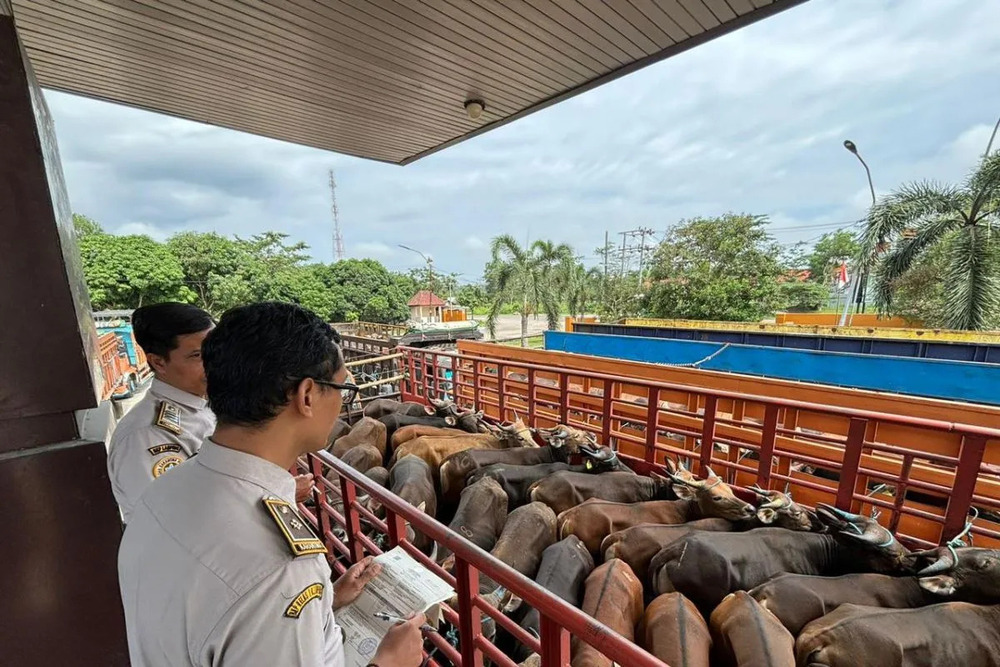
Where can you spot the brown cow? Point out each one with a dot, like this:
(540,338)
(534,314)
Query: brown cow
(798,599)
(381,407)
(367,431)
(362,457)
(411,480)
(952,633)
(747,635)
(414,431)
(613,596)
(340,428)
(481,515)
(528,531)
(705,499)
(564,490)
(637,545)
(435,450)
(674,631)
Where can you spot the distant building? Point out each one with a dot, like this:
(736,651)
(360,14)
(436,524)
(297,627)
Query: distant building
(426,306)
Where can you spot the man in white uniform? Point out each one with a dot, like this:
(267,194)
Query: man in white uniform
(169,424)
(217,568)
(171,421)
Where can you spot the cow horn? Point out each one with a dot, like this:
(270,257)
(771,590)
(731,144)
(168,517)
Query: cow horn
(944,563)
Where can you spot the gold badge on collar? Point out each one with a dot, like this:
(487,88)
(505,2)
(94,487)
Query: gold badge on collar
(301,539)
(309,593)
(163,449)
(168,417)
(165,464)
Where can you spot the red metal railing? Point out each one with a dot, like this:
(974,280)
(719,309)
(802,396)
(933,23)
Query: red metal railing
(559,620)
(732,432)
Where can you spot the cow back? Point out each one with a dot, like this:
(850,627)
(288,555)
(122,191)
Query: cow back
(564,490)
(516,479)
(674,631)
(746,634)
(528,531)
(481,515)
(613,596)
(366,432)
(595,519)
(458,466)
(637,545)
(407,433)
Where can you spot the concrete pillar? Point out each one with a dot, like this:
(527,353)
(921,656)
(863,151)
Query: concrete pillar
(59,526)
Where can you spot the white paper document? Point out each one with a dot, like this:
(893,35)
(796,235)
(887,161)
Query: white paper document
(403,587)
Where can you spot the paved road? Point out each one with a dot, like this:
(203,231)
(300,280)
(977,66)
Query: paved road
(509,326)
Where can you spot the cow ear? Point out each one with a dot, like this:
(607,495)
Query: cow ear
(450,420)
(711,473)
(766,515)
(683,491)
(513,604)
(430,410)
(942,584)
(422,506)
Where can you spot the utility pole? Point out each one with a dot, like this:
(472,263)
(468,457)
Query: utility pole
(338,238)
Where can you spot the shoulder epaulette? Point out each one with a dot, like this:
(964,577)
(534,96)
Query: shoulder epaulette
(168,417)
(301,539)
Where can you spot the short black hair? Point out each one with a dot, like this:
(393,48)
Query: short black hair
(157,327)
(259,353)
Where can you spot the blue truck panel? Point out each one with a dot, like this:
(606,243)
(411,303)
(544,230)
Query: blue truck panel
(951,380)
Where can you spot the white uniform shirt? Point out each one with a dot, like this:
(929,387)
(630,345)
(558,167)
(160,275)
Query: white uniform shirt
(161,431)
(208,577)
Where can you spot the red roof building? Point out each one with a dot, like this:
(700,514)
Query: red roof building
(425,298)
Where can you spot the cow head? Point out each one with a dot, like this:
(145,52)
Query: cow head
(715,498)
(517,435)
(468,421)
(568,441)
(778,509)
(867,533)
(443,408)
(602,459)
(968,573)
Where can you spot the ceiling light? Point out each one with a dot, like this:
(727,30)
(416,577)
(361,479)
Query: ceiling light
(474,108)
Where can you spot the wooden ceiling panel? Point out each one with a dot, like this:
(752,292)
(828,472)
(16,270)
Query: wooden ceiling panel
(382,79)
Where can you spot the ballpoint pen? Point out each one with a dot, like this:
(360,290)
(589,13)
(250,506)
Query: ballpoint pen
(381,615)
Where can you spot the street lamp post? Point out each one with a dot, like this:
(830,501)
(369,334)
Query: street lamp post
(430,265)
(860,293)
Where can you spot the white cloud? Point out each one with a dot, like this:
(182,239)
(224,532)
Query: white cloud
(753,121)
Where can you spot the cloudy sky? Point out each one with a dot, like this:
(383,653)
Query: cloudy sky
(753,121)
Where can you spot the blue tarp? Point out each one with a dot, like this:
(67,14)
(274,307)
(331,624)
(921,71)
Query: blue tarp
(952,380)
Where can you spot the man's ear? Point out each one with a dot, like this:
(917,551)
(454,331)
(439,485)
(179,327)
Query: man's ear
(156,362)
(303,397)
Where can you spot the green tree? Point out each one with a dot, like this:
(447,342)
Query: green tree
(803,296)
(527,277)
(365,289)
(580,287)
(214,268)
(723,268)
(829,253)
(918,217)
(84,226)
(619,297)
(129,271)
(472,296)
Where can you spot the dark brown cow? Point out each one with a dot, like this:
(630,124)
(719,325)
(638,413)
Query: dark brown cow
(564,568)
(565,490)
(516,480)
(435,450)
(408,433)
(637,545)
(613,596)
(798,599)
(411,480)
(969,574)
(747,635)
(952,633)
(481,515)
(362,457)
(366,432)
(340,428)
(708,566)
(594,520)
(528,531)
(381,407)
(378,475)
(674,631)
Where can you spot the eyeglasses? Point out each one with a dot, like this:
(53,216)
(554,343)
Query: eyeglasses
(348,390)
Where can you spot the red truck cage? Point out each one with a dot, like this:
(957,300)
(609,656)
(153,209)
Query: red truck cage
(732,441)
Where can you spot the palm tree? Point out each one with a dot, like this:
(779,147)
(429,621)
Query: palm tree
(525,276)
(579,286)
(904,225)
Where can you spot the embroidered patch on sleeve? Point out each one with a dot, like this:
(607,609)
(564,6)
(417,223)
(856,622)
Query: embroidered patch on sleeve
(165,464)
(163,449)
(308,594)
(301,539)
(168,417)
